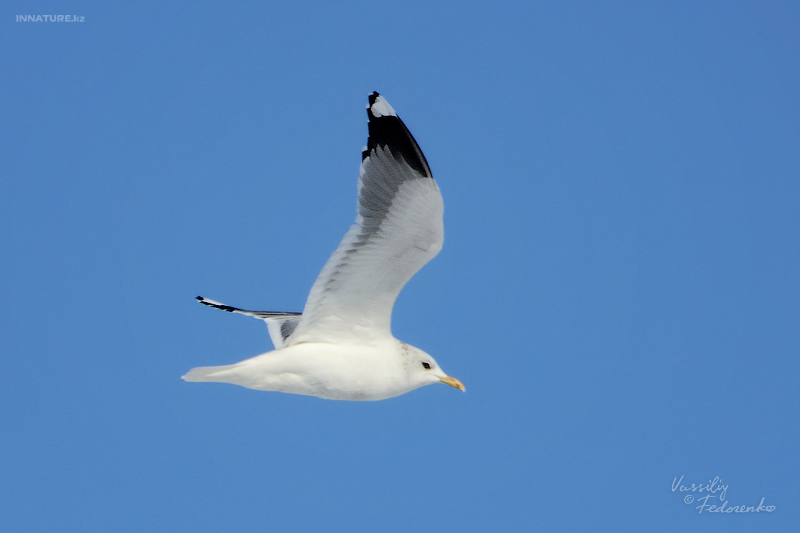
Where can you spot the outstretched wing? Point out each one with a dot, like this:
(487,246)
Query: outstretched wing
(279,325)
(398,229)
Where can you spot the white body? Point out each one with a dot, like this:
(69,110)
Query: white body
(325,370)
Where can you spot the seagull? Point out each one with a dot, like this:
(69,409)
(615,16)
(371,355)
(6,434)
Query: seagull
(341,346)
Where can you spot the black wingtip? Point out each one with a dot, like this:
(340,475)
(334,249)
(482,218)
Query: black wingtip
(387,130)
(374,96)
(204,301)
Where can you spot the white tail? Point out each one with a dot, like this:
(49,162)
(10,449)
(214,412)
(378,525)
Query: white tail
(206,373)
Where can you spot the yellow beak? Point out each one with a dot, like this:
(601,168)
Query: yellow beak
(453,382)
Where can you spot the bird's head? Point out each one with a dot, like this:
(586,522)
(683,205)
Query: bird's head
(424,370)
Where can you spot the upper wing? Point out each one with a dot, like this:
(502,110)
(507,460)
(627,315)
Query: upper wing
(280,325)
(398,229)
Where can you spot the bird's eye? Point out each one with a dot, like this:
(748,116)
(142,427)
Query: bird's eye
(426,365)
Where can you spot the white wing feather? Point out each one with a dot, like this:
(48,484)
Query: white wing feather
(398,229)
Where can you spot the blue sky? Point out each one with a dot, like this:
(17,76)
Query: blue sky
(618,289)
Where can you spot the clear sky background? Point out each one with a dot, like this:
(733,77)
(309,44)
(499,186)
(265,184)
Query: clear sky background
(618,289)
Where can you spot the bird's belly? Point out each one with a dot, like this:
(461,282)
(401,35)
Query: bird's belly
(325,371)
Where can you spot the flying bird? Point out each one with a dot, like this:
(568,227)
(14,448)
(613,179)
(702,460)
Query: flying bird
(341,346)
